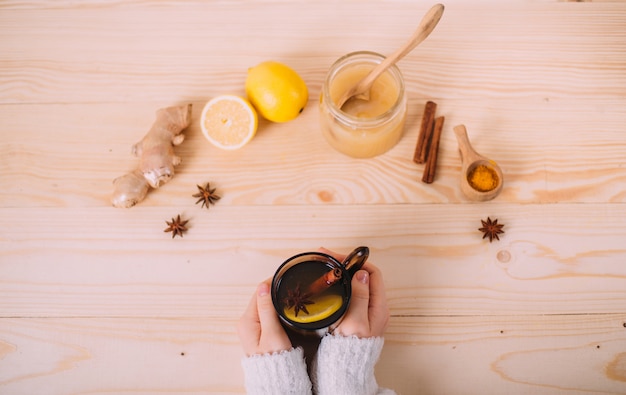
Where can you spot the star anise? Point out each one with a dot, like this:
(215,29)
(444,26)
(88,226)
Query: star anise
(296,299)
(206,195)
(177,226)
(491,229)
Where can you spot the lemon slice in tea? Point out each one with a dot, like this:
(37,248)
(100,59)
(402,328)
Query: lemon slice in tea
(229,122)
(324,307)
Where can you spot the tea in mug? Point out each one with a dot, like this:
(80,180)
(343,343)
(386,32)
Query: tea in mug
(312,292)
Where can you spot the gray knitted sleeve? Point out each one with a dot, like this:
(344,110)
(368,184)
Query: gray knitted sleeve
(345,366)
(278,373)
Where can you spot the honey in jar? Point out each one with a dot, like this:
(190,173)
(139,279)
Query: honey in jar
(362,129)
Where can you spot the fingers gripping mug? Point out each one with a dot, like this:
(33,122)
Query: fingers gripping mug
(311,291)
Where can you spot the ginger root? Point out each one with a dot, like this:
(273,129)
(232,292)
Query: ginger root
(156,157)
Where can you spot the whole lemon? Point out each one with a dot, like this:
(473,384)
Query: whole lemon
(277,92)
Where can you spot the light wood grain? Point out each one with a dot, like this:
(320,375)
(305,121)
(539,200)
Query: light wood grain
(433,258)
(97,300)
(512,354)
(561,150)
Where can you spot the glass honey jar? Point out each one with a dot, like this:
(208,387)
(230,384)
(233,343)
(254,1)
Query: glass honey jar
(363,129)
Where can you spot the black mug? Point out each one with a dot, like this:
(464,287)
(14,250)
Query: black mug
(311,291)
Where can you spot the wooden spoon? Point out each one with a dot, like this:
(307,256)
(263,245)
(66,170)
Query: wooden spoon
(470,160)
(362,89)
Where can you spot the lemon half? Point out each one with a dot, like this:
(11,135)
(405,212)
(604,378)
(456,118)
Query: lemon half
(277,92)
(323,308)
(229,122)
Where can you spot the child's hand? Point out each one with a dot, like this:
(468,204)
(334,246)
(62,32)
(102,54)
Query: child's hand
(368,313)
(259,329)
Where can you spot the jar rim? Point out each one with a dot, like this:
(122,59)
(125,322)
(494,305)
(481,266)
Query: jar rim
(366,57)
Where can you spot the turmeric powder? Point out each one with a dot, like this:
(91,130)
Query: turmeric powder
(483,178)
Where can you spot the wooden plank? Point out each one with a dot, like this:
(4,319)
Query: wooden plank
(103,262)
(571,49)
(121,356)
(498,354)
(505,355)
(75,164)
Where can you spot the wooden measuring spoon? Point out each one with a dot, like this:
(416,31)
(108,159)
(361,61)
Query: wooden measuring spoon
(362,89)
(470,161)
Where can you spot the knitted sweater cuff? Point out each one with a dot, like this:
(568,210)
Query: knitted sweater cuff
(278,373)
(345,365)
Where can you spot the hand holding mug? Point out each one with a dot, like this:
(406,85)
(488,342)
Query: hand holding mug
(368,313)
(259,328)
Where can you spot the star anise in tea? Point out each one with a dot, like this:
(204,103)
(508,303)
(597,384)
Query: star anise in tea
(206,195)
(177,226)
(491,229)
(297,300)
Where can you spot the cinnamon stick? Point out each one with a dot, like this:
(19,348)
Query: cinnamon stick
(426,129)
(325,281)
(431,164)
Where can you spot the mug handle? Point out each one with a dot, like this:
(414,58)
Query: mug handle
(355,260)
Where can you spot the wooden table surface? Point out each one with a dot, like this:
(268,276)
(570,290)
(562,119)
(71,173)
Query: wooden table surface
(96,300)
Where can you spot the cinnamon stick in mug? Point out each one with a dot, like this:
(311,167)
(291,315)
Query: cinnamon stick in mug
(325,281)
(424,137)
(431,164)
